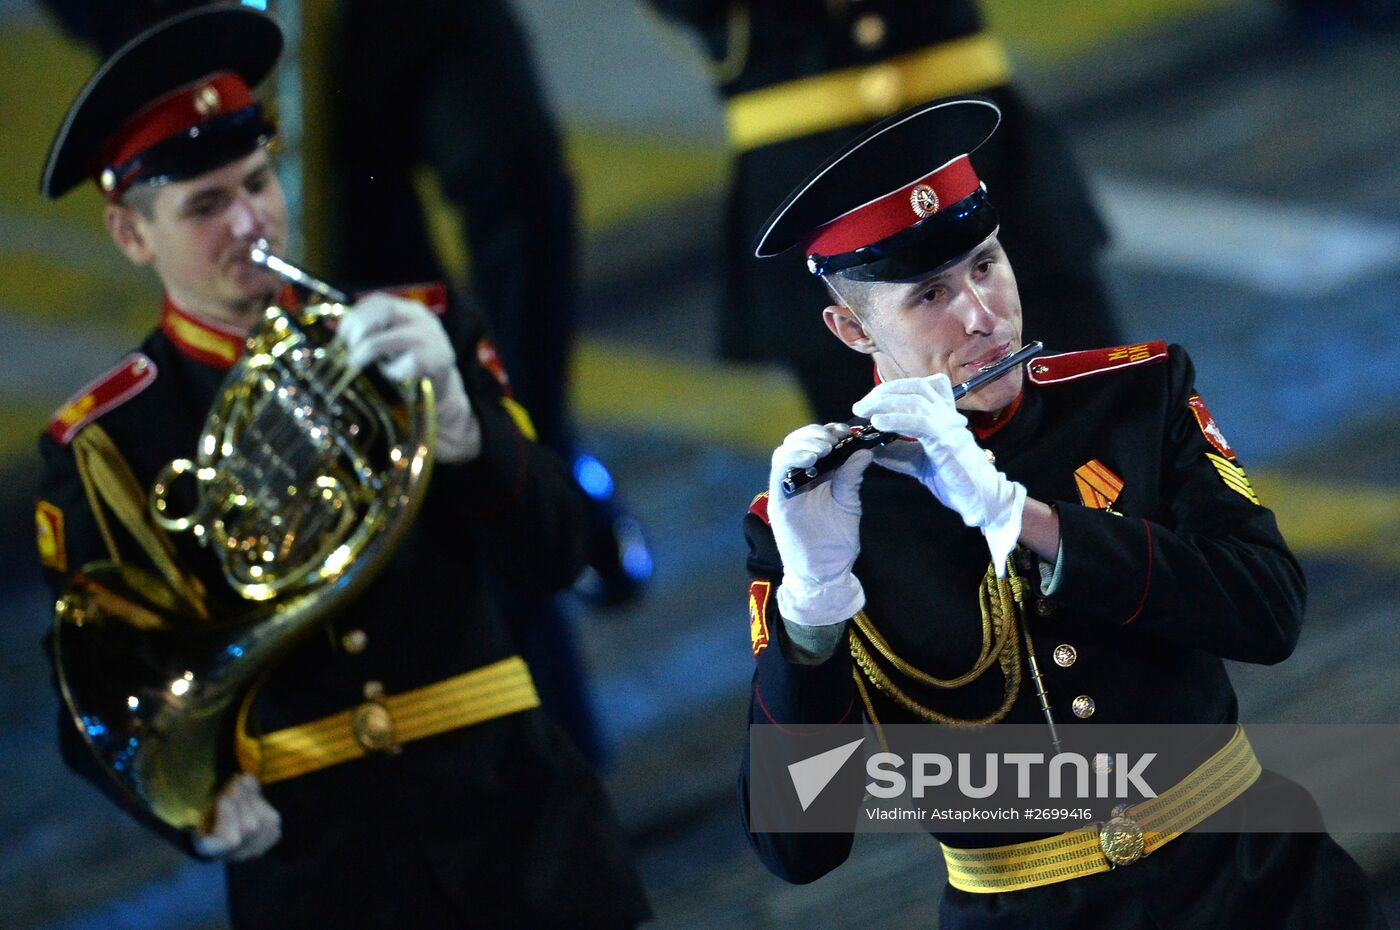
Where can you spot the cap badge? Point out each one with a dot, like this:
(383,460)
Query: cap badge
(924,201)
(207,100)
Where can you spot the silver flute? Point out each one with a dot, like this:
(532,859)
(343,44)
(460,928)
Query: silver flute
(865,436)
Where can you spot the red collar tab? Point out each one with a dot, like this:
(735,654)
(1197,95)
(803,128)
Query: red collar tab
(896,211)
(202,339)
(1071,366)
(177,112)
(984,424)
(133,375)
(431,294)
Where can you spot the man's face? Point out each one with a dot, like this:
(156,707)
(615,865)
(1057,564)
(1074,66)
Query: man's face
(201,230)
(957,321)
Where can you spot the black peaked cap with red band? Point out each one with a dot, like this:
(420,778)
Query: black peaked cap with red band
(898,202)
(171,104)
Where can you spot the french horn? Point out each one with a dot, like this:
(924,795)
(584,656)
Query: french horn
(306,476)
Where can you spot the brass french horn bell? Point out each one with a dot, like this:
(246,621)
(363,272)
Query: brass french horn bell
(305,478)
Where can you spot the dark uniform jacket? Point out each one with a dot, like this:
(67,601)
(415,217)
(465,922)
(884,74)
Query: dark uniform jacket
(1051,229)
(497,823)
(1187,570)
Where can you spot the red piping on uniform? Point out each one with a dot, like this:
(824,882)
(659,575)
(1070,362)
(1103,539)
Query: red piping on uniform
(758,695)
(1147,583)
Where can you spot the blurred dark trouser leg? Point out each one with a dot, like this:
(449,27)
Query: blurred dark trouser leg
(544,634)
(1050,228)
(451,85)
(497,152)
(491,139)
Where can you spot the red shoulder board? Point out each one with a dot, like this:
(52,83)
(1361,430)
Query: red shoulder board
(432,294)
(490,359)
(1209,428)
(1071,366)
(759,507)
(116,387)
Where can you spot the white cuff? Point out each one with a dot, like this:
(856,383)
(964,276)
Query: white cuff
(1002,534)
(811,645)
(1050,572)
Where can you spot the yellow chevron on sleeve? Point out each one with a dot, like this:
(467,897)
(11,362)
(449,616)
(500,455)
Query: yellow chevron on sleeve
(1234,477)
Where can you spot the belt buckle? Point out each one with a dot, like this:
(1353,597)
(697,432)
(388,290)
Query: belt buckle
(1121,838)
(373,724)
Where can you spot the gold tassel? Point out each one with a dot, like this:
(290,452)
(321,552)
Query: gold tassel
(1002,603)
(107,478)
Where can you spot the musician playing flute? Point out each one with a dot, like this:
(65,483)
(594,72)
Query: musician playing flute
(1085,509)
(395,770)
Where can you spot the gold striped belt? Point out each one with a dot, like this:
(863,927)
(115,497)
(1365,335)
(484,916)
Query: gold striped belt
(857,95)
(383,723)
(1125,838)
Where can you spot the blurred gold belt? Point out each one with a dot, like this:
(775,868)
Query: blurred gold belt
(858,95)
(1129,834)
(383,723)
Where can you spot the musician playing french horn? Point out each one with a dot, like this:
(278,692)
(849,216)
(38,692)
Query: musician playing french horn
(391,767)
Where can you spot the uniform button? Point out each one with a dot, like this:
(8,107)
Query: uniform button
(354,642)
(1045,608)
(1065,655)
(372,723)
(1083,706)
(881,89)
(869,31)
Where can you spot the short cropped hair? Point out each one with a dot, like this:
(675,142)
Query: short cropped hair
(142,199)
(846,291)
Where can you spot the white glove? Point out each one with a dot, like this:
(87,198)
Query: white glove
(409,343)
(946,458)
(817,531)
(244,825)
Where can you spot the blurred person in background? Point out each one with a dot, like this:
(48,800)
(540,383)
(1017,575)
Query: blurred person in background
(396,771)
(452,86)
(800,80)
(1328,20)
